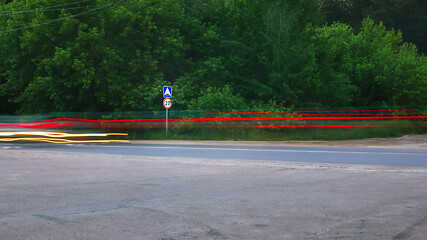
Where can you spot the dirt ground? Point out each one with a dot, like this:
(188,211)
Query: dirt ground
(408,141)
(53,195)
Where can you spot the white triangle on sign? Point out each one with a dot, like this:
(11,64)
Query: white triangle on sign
(167,92)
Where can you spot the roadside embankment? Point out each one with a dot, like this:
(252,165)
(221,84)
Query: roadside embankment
(408,141)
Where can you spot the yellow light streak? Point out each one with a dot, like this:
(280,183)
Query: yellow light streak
(58,140)
(60,134)
(57,137)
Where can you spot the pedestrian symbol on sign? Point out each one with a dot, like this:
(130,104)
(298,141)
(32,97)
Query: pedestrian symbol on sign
(167,92)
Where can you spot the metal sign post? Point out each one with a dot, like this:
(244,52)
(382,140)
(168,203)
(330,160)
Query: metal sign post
(167,103)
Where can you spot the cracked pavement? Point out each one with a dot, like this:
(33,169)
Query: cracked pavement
(47,195)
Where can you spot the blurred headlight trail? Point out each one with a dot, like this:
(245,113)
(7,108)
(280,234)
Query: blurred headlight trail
(60,134)
(302,111)
(317,126)
(129,121)
(237,119)
(336,114)
(58,140)
(58,137)
(35,125)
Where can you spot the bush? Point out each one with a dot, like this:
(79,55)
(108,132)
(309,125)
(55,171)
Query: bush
(218,99)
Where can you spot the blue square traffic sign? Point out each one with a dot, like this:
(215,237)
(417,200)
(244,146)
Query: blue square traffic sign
(167,92)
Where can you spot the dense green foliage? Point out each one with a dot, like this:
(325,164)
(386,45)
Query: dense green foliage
(410,16)
(112,55)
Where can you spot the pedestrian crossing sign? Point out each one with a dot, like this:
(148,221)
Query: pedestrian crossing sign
(167,92)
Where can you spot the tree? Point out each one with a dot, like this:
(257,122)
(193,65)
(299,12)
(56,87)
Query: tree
(83,59)
(108,55)
(407,15)
(386,71)
(333,65)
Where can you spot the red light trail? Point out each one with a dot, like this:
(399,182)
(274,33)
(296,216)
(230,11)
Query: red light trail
(307,115)
(384,110)
(225,119)
(290,118)
(335,114)
(316,126)
(35,125)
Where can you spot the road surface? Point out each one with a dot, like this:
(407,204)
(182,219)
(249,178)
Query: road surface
(329,155)
(159,192)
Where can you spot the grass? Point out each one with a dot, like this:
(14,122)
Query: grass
(389,129)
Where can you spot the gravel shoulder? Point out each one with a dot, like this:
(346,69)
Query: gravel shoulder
(408,142)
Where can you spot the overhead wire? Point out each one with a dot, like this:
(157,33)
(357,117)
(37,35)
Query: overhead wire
(35,24)
(47,7)
(39,10)
(17,25)
(68,4)
(19,7)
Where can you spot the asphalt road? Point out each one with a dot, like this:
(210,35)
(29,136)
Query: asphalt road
(329,155)
(127,191)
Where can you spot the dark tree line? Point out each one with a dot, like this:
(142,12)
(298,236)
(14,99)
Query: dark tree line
(410,16)
(112,55)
